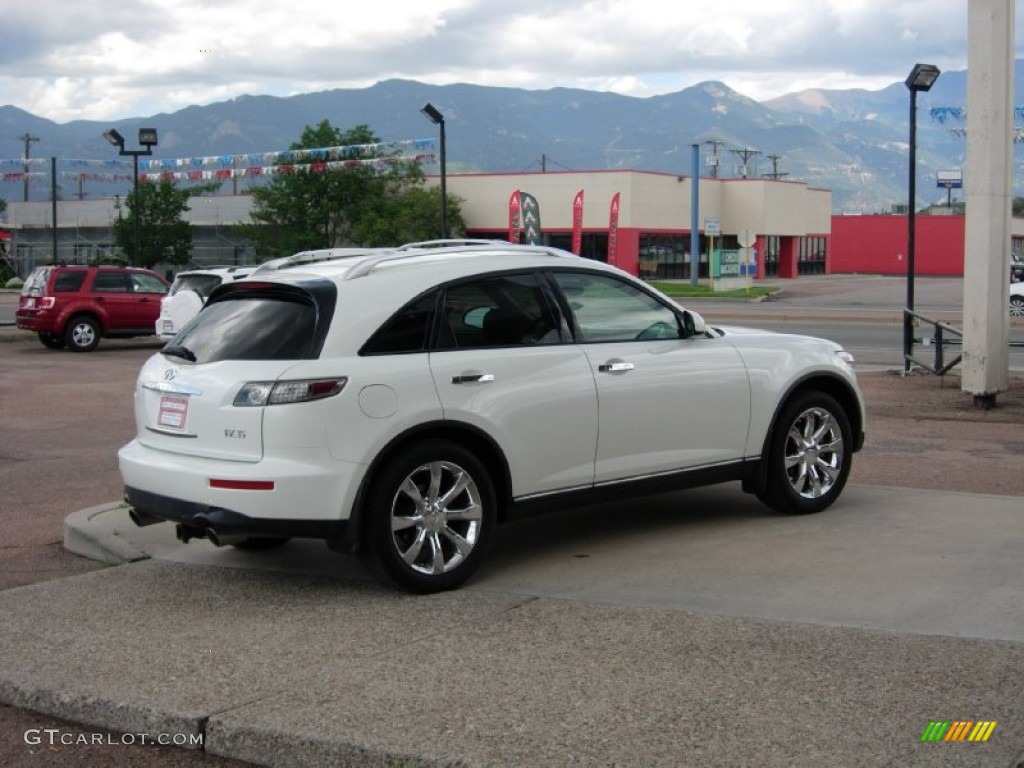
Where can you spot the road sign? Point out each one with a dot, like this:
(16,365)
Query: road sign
(712,227)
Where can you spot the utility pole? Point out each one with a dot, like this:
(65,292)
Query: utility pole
(988,184)
(775,175)
(28,139)
(746,154)
(713,160)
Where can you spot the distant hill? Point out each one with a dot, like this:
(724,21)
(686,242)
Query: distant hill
(853,142)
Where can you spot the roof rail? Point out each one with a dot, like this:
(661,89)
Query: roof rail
(411,250)
(450,243)
(317,256)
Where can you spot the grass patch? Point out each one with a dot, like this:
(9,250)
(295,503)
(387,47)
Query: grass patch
(685,290)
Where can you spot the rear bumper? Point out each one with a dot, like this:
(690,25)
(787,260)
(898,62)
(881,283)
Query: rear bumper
(35,321)
(226,522)
(176,487)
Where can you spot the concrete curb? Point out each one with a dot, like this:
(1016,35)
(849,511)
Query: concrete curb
(102,540)
(101,712)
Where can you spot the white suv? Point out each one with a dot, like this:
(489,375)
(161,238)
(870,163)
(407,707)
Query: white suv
(189,292)
(403,403)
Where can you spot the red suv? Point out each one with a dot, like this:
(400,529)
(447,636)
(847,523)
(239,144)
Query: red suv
(75,306)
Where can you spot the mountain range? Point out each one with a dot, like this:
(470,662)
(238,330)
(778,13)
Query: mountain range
(853,142)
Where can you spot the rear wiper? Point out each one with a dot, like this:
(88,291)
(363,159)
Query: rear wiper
(176,350)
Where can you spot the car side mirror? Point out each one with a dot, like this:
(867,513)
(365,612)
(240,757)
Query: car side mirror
(693,325)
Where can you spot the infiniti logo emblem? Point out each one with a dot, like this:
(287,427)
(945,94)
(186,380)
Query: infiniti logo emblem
(169,374)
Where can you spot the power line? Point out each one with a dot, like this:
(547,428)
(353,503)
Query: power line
(746,154)
(28,139)
(775,175)
(713,160)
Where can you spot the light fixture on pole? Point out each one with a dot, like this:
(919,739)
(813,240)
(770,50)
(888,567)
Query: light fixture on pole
(922,77)
(431,113)
(148,139)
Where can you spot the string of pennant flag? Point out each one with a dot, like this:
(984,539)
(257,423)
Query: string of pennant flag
(222,167)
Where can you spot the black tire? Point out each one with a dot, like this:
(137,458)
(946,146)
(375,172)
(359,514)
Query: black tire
(812,436)
(82,334)
(257,543)
(51,340)
(439,543)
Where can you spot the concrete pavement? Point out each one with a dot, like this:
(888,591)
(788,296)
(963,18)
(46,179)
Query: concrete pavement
(694,628)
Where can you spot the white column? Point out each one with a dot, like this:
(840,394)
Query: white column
(986,360)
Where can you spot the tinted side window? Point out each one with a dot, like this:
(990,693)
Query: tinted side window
(607,309)
(110,282)
(407,331)
(500,311)
(69,281)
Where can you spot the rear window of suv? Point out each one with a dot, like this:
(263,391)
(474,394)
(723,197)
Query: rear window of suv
(35,283)
(258,322)
(201,284)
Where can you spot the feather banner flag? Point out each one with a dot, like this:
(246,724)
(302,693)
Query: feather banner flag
(577,223)
(613,229)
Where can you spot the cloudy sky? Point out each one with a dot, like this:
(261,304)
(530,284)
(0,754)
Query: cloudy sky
(101,59)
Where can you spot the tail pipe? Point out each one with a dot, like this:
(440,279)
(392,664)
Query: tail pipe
(142,519)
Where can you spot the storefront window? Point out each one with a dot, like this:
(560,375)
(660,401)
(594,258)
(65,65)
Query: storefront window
(812,256)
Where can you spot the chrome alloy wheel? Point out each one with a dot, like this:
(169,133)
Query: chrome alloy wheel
(814,453)
(436,517)
(83,334)
(1017,306)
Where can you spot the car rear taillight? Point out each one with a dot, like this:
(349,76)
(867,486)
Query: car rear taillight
(242,485)
(46,302)
(257,393)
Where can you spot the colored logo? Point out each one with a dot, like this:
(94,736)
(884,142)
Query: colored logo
(958,730)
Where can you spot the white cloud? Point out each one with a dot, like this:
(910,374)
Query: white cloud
(90,59)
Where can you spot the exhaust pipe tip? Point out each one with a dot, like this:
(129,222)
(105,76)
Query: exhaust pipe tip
(224,539)
(186,533)
(142,519)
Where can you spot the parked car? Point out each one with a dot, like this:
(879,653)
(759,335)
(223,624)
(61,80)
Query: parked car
(75,306)
(189,293)
(1016,268)
(401,404)
(1017,299)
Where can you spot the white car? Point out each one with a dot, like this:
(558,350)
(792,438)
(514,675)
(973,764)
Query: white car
(403,403)
(1017,299)
(189,293)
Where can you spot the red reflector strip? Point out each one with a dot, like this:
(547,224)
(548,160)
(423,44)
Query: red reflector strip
(243,485)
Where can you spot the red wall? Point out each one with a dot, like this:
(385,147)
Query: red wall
(878,245)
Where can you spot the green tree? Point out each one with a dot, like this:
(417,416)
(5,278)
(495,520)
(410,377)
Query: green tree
(357,204)
(164,236)
(411,216)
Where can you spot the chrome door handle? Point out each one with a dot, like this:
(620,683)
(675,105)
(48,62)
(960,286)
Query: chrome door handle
(615,367)
(473,378)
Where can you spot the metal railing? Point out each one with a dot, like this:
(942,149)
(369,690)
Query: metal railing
(938,366)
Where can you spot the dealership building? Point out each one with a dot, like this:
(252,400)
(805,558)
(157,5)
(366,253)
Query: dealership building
(641,221)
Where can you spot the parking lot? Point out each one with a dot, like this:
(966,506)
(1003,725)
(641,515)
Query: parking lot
(695,628)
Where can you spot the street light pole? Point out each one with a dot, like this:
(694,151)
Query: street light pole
(148,139)
(921,78)
(433,115)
